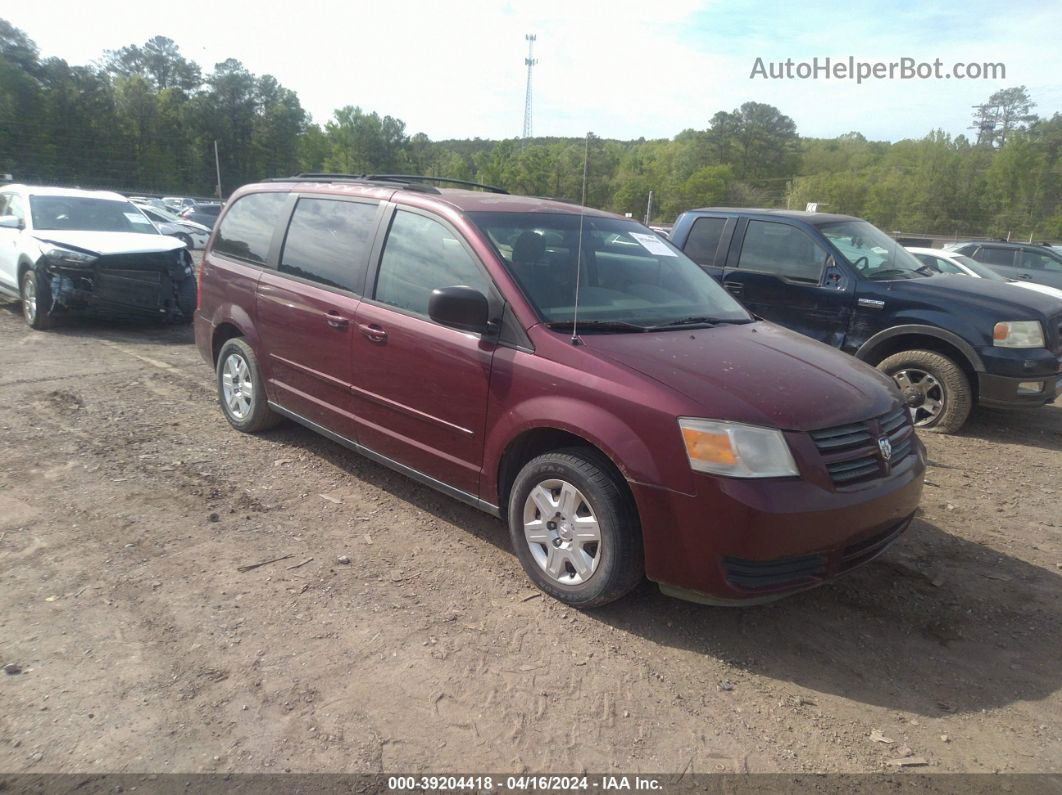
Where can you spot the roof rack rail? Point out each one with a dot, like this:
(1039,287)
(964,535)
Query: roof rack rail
(414,178)
(364,179)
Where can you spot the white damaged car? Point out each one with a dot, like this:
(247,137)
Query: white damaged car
(65,250)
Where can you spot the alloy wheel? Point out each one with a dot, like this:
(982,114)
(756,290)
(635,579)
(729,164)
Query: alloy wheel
(237,386)
(562,532)
(29,298)
(928,393)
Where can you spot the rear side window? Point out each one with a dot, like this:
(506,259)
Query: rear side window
(328,242)
(995,256)
(783,250)
(703,242)
(420,255)
(247,230)
(1039,261)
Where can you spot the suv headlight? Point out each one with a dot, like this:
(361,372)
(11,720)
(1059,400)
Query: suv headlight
(1018,334)
(736,450)
(66,256)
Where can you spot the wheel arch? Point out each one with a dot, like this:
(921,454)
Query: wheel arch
(538,440)
(916,337)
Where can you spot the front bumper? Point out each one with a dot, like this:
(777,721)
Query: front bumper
(997,391)
(1018,377)
(748,541)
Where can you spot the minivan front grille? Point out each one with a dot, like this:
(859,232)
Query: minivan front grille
(853,453)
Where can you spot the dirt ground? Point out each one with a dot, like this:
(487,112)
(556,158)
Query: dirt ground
(127,504)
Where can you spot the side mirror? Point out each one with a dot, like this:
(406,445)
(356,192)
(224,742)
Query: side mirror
(459,307)
(10,222)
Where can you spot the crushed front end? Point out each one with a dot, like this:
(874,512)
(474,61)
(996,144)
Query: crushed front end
(157,284)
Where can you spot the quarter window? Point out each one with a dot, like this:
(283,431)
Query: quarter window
(703,242)
(247,229)
(328,242)
(783,250)
(421,255)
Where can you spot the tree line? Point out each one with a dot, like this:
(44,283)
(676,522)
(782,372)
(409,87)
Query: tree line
(144,118)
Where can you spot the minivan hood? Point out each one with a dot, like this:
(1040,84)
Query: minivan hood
(1007,301)
(108,242)
(756,373)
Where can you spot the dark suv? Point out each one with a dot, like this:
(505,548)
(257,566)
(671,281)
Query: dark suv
(562,368)
(948,340)
(1026,261)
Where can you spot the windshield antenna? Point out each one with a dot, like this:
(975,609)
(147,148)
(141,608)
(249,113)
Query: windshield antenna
(579,256)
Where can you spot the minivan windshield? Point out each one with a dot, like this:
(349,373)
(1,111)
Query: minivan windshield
(630,278)
(872,252)
(88,215)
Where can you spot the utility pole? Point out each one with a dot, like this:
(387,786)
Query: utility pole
(530,60)
(649,209)
(217,167)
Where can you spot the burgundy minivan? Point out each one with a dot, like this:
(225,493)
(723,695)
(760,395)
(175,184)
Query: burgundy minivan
(562,368)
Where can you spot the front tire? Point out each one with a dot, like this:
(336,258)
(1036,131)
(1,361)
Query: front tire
(241,391)
(936,389)
(36,301)
(575,529)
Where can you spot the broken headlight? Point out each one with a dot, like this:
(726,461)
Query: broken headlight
(59,255)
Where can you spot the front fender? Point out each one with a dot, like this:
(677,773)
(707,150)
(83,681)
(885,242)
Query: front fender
(625,446)
(867,350)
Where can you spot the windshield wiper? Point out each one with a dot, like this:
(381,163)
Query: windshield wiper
(598,325)
(699,320)
(890,272)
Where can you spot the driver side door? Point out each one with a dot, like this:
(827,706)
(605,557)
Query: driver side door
(781,273)
(10,205)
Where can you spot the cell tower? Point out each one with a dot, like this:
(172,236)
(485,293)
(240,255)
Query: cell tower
(530,60)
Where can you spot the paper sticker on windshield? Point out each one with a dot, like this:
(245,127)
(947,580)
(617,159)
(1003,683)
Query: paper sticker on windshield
(653,244)
(137,218)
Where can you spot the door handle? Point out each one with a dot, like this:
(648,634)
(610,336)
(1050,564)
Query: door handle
(335,320)
(734,287)
(373,332)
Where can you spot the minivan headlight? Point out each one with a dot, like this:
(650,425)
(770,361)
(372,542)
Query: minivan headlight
(1018,334)
(736,450)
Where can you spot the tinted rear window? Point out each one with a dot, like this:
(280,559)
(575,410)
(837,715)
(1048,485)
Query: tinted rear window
(248,227)
(703,241)
(328,242)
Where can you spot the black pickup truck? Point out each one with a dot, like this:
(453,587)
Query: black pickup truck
(948,340)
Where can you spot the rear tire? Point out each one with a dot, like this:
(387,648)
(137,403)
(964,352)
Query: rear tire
(575,529)
(939,381)
(241,391)
(36,296)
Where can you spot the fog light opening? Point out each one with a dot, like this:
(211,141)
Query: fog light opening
(1030,387)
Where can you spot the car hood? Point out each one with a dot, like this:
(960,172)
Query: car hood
(756,373)
(985,294)
(192,225)
(1039,288)
(108,242)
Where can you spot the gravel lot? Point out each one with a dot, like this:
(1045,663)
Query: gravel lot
(127,504)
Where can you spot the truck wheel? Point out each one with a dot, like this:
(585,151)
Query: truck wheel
(575,529)
(241,390)
(36,300)
(936,390)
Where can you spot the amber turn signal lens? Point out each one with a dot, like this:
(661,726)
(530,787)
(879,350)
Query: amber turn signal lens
(709,447)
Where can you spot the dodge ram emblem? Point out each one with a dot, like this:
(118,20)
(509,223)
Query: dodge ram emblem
(886,448)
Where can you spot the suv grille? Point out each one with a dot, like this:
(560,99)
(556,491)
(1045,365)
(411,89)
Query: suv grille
(853,454)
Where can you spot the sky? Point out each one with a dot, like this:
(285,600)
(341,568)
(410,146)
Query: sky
(619,68)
